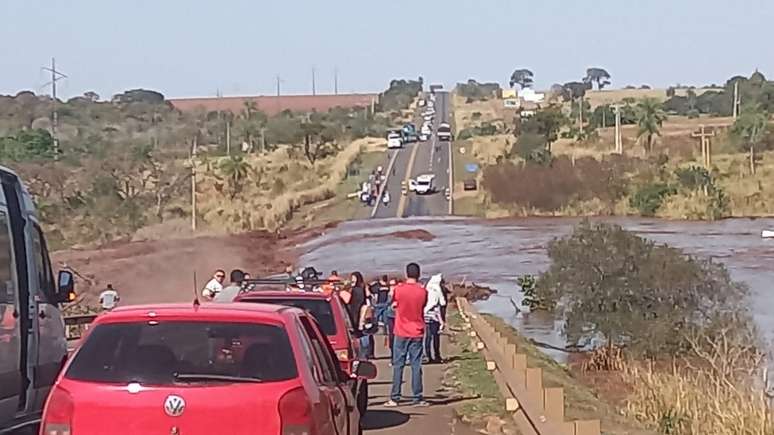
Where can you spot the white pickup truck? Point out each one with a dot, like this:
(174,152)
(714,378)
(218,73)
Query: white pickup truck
(423,185)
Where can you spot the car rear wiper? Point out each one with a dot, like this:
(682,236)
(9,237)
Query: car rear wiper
(218,378)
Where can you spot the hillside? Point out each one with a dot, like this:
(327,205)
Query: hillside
(123,167)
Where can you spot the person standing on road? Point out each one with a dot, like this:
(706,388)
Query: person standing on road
(214,286)
(434,319)
(389,319)
(232,290)
(409,301)
(381,293)
(109,298)
(355,307)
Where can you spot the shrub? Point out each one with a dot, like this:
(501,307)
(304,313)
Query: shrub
(651,298)
(476,116)
(648,199)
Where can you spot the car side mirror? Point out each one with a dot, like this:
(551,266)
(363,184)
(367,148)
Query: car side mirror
(364,370)
(65,287)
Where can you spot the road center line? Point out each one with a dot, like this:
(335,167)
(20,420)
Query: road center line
(409,168)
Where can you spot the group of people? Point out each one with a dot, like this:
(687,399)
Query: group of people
(413,316)
(409,314)
(372,188)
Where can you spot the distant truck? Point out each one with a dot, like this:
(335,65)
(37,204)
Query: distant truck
(434,88)
(409,132)
(444,132)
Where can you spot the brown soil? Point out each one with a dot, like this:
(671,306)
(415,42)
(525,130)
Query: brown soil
(163,270)
(472,292)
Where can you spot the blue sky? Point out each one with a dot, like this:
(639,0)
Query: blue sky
(196,47)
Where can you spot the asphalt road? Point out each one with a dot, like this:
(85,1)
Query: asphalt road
(429,157)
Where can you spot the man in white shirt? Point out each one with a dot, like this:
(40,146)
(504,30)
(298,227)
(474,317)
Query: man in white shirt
(215,285)
(109,298)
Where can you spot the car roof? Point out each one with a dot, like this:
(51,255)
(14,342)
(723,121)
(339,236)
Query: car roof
(426,177)
(191,312)
(283,295)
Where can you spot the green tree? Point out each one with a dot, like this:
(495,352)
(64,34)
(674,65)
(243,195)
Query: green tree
(597,75)
(628,291)
(522,77)
(235,170)
(548,122)
(750,128)
(650,119)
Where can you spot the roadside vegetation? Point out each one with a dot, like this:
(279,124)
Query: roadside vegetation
(123,167)
(467,375)
(666,336)
(562,161)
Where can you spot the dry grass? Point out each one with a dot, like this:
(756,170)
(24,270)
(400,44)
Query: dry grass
(263,205)
(718,390)
(491,110)
(610,96)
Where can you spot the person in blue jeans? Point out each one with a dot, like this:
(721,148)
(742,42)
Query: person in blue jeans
(409,299)
(380,291)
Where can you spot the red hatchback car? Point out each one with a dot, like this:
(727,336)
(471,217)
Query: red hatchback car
(209,369)
(334,322)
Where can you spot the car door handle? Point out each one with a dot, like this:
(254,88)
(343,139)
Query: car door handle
(42,314)
(16,314)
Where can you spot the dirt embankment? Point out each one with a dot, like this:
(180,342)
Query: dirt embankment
(472,291)
(163,270)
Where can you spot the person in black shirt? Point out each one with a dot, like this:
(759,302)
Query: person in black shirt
(381,294)
(355,306)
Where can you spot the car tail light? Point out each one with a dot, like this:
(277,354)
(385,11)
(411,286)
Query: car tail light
(57,419)
(295,413)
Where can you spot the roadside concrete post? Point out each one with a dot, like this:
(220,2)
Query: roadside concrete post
(553,404)
(535,386)
(587,427)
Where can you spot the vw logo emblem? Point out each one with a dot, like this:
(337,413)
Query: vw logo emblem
(174,406)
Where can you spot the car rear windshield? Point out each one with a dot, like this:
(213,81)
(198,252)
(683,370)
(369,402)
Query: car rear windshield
(161,353)
(319,308)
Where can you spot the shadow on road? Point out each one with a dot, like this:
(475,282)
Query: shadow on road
(383,419)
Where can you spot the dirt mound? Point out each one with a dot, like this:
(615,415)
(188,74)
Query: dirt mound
(472,291)
(163,270)
(422,235)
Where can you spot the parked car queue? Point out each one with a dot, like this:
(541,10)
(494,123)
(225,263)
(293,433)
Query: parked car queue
(272,362)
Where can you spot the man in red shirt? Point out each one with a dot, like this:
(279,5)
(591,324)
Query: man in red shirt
(409,300)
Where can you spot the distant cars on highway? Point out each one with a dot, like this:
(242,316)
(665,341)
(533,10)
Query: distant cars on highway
(216,368)
(444,132)
(394,140)
(423,184)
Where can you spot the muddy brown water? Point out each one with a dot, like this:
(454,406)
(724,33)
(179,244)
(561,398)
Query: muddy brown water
(495,253)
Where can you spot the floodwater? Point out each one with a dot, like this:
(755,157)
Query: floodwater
(495,253)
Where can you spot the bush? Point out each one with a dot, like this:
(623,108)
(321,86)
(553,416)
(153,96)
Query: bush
(652,299)
(475,91)
(475,116)
(648,199)
(556,184)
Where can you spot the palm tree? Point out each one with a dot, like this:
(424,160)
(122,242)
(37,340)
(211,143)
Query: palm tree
(650,119)
(750,128)
(235,169)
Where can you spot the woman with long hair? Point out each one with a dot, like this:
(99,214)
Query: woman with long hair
(359,308)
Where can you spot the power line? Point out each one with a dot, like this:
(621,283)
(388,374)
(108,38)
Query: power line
(55,77)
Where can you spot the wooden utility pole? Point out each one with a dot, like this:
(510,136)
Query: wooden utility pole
(193,184)
(618,139)
(706,147)
(736,99)
(278,84)
(336,81)
(228,137)
(314,89)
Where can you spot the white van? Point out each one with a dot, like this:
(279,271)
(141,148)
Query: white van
(33,347)
(394,140)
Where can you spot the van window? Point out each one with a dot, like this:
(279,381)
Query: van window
(168,353)
(43,265)
(7,287)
